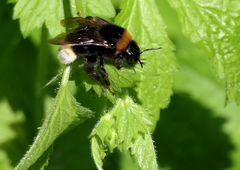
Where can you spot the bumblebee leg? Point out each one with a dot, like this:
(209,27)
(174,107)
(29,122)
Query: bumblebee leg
(102,72)
(95,69)
(89,67)
(118,62)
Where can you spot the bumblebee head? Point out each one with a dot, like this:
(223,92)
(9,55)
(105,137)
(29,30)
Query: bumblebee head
(132,54)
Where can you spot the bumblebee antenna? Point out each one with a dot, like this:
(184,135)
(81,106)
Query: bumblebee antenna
(150,49)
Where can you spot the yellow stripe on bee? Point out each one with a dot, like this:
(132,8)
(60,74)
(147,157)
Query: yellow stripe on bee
(124,41)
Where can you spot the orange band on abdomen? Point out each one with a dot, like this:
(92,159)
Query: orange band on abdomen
(124,41)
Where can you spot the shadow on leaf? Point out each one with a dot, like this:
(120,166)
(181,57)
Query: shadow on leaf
(190,136)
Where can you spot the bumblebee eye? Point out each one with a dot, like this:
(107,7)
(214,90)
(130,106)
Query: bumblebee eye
(132,53)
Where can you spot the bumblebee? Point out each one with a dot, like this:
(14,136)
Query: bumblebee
(96,42)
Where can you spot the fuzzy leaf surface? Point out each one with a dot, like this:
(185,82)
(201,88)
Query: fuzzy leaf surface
(125,127)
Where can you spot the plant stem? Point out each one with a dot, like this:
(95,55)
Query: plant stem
(66,75)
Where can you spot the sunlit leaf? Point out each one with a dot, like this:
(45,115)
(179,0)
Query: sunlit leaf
(33,14)
(143,150)
(126,127)
(142,19)
(7,118)
(214,25)
(101,8)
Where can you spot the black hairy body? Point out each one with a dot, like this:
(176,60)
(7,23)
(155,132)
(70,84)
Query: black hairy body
(96,42)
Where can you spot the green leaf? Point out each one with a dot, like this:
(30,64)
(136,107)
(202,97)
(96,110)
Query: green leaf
(7,118)
(98,152)
(4,161)
(65,113)
(143,150)
(33,14)
(215,27)
(130,120)
(210,94)
(12,1)
(197,82)
(142,19)
(123,78)
(126,127)
(126,162)
(100,8)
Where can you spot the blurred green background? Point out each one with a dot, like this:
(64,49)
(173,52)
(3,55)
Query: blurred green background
(196,132)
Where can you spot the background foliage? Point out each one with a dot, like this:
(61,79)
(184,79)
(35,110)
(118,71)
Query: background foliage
(198,130)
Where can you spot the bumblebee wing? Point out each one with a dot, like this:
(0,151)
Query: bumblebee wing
(83,31)
(77,38)
(75,22)
(59,39)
